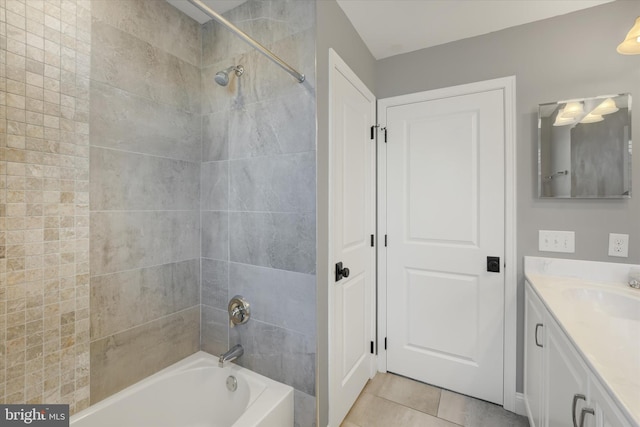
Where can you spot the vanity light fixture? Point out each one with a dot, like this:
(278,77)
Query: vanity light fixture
(608,106)
(572,110)
(631,43)
(563,121)
(592,118)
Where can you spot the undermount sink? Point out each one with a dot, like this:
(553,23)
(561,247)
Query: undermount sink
(612,303)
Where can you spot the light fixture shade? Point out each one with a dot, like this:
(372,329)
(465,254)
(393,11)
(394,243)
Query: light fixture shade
(563,121)
(631,43)
(572,110)
(607,106)
(592,118)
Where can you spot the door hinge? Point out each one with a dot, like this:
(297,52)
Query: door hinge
(385,240)
(372,347)
(385,343)
(372,240)
(373,131)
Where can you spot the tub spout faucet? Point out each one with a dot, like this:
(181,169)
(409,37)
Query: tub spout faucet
(231,355)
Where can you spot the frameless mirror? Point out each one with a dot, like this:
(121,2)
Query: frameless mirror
(584,148)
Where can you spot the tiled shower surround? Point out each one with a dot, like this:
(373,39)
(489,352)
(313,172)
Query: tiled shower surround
(258,194)
(145,208)
(197,192)
(44,215)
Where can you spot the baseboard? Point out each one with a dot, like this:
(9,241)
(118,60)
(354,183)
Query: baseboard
(521,408)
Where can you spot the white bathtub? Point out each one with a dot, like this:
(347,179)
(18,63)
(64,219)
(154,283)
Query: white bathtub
(193,393)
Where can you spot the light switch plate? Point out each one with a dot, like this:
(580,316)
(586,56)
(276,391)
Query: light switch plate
(556,241)
(619,245)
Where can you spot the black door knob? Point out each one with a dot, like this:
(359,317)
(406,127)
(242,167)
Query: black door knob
(341,272)
(493,264)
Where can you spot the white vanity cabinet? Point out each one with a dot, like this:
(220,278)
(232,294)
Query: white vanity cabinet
(534,346)
(566,388)
(559,389)
(607,413)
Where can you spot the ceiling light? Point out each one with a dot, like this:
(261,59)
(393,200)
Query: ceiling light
(591,118)
(572,110)
(607,106)
(631,43)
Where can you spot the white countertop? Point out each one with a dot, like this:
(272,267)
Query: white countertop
(608,338)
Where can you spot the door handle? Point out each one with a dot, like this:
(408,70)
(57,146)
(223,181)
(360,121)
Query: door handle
(341,272)
(573,407)
(536,334)
(584,412)
(493,264)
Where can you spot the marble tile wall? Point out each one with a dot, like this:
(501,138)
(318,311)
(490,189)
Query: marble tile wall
(258,195)
(190,182)
(45,50)
(145,193)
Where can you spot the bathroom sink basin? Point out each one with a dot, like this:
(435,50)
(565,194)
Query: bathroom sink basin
(612,303)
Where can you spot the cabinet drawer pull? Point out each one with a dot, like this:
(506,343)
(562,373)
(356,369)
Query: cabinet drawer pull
(536,334)
(573,407)
(583,413)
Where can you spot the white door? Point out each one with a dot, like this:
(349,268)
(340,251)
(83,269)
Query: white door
(445,202)
(352,113)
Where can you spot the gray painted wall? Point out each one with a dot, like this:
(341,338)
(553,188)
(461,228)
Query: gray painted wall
(258,195)
(570,56)
(333,31)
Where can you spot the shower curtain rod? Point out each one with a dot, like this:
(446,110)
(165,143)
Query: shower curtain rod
(244,36)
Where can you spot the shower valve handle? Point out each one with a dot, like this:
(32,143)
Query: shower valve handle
(239,311)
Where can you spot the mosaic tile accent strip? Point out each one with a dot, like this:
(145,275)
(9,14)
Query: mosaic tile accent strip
(44,195)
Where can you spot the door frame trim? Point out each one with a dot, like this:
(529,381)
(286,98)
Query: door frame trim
(508,86)
(338,65)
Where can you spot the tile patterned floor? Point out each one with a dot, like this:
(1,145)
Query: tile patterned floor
(390,400)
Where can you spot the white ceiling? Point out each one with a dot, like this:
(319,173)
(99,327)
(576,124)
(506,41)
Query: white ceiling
(220,6)
(392,27)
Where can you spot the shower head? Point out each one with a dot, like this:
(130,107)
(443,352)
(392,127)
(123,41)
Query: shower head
(222,77)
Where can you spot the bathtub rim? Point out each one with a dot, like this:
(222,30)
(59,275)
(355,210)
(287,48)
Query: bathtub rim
(258,408)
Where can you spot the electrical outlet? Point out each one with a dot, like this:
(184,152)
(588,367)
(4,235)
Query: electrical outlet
(619,245)
(556,241)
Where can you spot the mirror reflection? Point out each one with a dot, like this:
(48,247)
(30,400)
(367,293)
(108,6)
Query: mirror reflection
(584,148)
